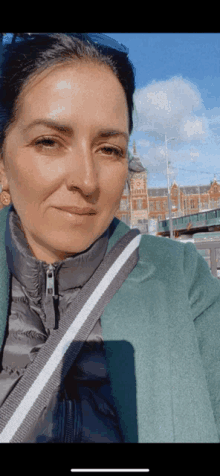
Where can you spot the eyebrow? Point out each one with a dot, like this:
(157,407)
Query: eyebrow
(69,131)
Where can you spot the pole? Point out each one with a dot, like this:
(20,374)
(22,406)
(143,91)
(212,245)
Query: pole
(131,209)
(179,207)
(147,204)
(168,189)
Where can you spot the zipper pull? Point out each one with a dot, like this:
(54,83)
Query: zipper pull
(50,297)
(50,285)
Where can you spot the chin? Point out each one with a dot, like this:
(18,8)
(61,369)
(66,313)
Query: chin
(75,246)
(70,250)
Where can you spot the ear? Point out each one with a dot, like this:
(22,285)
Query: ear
(3,177)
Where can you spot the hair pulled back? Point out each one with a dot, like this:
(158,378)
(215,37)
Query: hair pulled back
(29,57)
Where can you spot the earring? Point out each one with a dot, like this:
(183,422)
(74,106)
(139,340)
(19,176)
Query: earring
(4,197)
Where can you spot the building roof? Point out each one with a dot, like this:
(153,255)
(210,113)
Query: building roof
(157,192)
(195,189)
(187,190)
(135,164)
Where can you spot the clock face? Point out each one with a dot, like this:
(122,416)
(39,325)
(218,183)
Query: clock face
(139,184)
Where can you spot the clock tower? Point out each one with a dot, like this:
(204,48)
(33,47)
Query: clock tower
(133,208)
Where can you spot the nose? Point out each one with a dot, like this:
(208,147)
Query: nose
(82,173)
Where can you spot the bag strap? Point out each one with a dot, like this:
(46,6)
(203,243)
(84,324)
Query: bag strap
(33,391)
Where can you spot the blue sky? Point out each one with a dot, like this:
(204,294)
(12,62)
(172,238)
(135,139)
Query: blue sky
(177,72)
(194,60)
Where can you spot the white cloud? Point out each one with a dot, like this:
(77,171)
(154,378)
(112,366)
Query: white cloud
(194,154)
(193,128)
(162,107)
(143,143)
(159,100)
(155,160)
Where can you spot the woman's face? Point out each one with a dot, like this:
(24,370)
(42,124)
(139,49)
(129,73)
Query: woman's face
(67,148)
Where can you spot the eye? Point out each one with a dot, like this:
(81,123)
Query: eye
(46,143)
(107,150)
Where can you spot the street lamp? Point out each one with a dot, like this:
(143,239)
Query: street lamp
(199,198)
(168,187)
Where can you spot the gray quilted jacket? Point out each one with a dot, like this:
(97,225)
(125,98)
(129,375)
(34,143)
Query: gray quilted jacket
(82,410)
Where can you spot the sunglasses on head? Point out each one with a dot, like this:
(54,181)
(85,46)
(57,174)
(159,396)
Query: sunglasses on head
(98,39)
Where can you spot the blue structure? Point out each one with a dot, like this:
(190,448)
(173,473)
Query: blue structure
(206,220)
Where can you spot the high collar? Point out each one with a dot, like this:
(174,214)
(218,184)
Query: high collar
(72,272)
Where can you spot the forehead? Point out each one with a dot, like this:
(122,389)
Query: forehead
(76,89)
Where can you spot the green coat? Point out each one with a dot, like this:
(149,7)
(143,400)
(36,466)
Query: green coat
(162,338)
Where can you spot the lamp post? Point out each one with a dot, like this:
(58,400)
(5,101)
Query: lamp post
(168,187)
(199,198)
(179,204)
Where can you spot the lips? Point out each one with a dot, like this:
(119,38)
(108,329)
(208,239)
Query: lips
(78,211)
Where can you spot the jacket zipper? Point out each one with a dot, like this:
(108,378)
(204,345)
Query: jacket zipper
(70,422)
(73,421)
(51,298)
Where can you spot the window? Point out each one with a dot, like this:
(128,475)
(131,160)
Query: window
(192,203)
(211,214)
(139,204)
(124,204)
(151,206)
(202,216)
(157,205)
(144,206)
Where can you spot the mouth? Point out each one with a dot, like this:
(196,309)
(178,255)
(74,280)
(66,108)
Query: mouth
(78,211)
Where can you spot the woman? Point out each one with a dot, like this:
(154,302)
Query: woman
(149,371)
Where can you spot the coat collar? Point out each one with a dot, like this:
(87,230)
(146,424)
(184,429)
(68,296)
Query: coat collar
(145,267)
(72,272)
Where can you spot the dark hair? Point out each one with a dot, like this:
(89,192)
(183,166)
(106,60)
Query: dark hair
(29,56)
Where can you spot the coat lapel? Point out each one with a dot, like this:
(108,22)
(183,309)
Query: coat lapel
(144,268)
(136,336)
(158,381)
(135,332)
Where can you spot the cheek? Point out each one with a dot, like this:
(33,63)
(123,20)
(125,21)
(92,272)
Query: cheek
(112,184)
(18,164)
(27,175)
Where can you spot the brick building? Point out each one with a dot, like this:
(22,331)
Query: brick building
(184,200)
(139,204)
